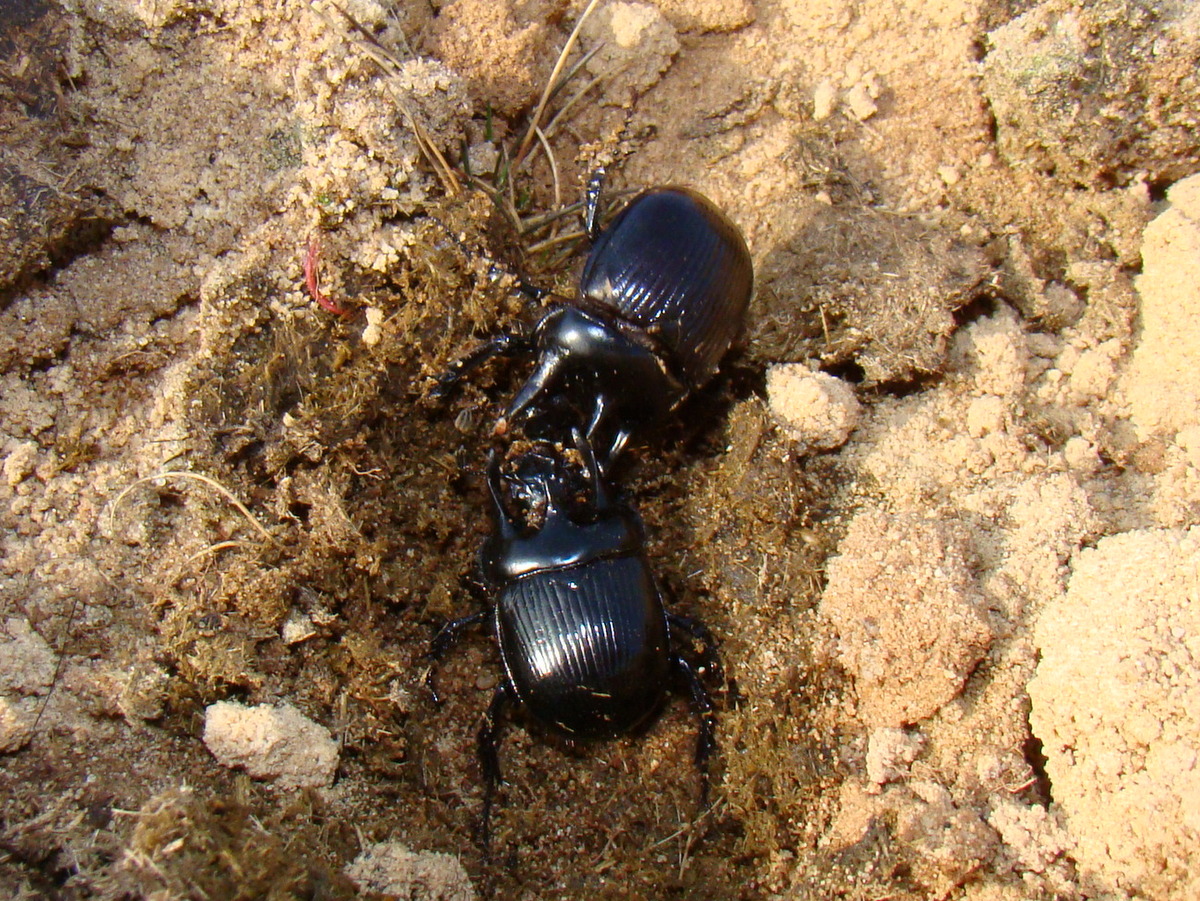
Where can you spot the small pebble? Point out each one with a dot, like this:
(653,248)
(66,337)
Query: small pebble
(486,682)
(278,743)
(824,100)
(862,106)
(374,331)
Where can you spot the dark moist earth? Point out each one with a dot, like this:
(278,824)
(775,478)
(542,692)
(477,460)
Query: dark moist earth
(920,232)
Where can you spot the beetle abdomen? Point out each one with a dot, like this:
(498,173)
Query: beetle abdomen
(672,264)
(586,648)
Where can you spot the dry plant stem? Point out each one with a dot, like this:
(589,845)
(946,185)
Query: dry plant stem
(184,474)
(550,83)
(553,166)
(555,240)
(535,222)
(389,64)
(212,549)
(529,224)
(440,167)
(566,79)
(502,203)
(574,70)
(575,98)
(312,260)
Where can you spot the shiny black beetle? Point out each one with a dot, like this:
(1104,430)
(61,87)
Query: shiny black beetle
(586,643)
(662,298)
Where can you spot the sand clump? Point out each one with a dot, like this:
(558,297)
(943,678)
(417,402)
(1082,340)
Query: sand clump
(502,50)
(27,670)
(950,841)
(1061,81)
(943,841)
(890,754)
(636,45)
(1167,353)
(1113,697)
(277,742)
(1034,841)
(938,472)
(391,869)
(903,602)
(817,410)
(1115,703)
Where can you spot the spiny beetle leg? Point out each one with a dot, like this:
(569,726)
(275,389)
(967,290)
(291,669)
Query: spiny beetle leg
(502,344)
(591,203)
(447,637)
(700,633)
(489,758)
(706,740)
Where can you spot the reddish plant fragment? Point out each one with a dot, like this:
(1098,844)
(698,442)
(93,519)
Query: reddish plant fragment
(312,258)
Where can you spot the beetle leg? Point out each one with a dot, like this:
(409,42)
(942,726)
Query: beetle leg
(709,658)
(706,741)
(620,439)
(601,498)
(539,384)
(502,344)
(602,411)
(489,757)
(532,291)
(504,523)
(447,637)
(601,414)
(591,203)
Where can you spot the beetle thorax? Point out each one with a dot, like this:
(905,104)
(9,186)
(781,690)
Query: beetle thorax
(561,543)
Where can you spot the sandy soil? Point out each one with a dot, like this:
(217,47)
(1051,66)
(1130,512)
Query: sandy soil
(940,509)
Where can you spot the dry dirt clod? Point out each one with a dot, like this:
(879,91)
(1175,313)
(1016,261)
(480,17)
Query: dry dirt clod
(391,869)
(817,410)
(271,742)
(1103,91)
(1115,704)
(907,612)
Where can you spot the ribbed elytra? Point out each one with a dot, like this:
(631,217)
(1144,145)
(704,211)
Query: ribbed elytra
(586,643)
(672,264)
(586,647)
(662,297)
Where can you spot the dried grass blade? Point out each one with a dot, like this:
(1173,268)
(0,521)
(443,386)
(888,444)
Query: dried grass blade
(531,135)
(184,474)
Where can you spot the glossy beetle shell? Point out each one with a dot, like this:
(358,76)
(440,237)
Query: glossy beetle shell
(586,648)
(671,263)
(584,637)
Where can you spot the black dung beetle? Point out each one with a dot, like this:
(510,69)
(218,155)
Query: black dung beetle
(662,298)
(585,640)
